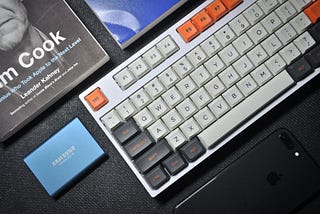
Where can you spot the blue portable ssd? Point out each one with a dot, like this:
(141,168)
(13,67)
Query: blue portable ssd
(63,157)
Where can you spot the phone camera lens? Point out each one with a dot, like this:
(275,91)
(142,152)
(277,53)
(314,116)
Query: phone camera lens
(286,140)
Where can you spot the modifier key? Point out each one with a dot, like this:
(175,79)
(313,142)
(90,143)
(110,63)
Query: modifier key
(157,177)
(193,149)
(313,56)
(299,69)
(315,31)
(174,164)
(154,155)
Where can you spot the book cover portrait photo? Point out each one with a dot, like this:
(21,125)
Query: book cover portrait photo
(45,51)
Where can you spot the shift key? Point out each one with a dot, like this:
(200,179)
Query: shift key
(160,151)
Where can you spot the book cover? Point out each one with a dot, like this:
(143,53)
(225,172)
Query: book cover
(127,20)
(45,51)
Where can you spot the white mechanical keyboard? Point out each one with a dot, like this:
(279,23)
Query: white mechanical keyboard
(203,81)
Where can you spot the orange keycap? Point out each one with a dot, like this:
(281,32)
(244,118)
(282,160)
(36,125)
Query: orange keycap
(188,31)
(313,11)
(230,4)
(216,10)
(96,99)
(202,20)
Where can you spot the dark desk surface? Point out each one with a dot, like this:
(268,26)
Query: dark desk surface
(112,187)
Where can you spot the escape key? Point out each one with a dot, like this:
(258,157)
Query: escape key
(96,99)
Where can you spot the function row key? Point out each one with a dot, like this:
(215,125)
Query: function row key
(124,78)
(202,20)
(153,57)
(216,10)
(205,18)
(139,67)
(143,64)
(167,46)
(231,4)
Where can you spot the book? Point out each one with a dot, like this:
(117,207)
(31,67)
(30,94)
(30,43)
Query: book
(127,20)
(45,51)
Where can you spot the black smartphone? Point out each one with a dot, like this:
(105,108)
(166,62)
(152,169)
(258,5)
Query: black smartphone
(274,177)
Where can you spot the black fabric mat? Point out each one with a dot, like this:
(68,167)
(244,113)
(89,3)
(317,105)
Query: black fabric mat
(112,187)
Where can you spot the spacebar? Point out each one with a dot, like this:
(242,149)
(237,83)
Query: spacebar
(245,109)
